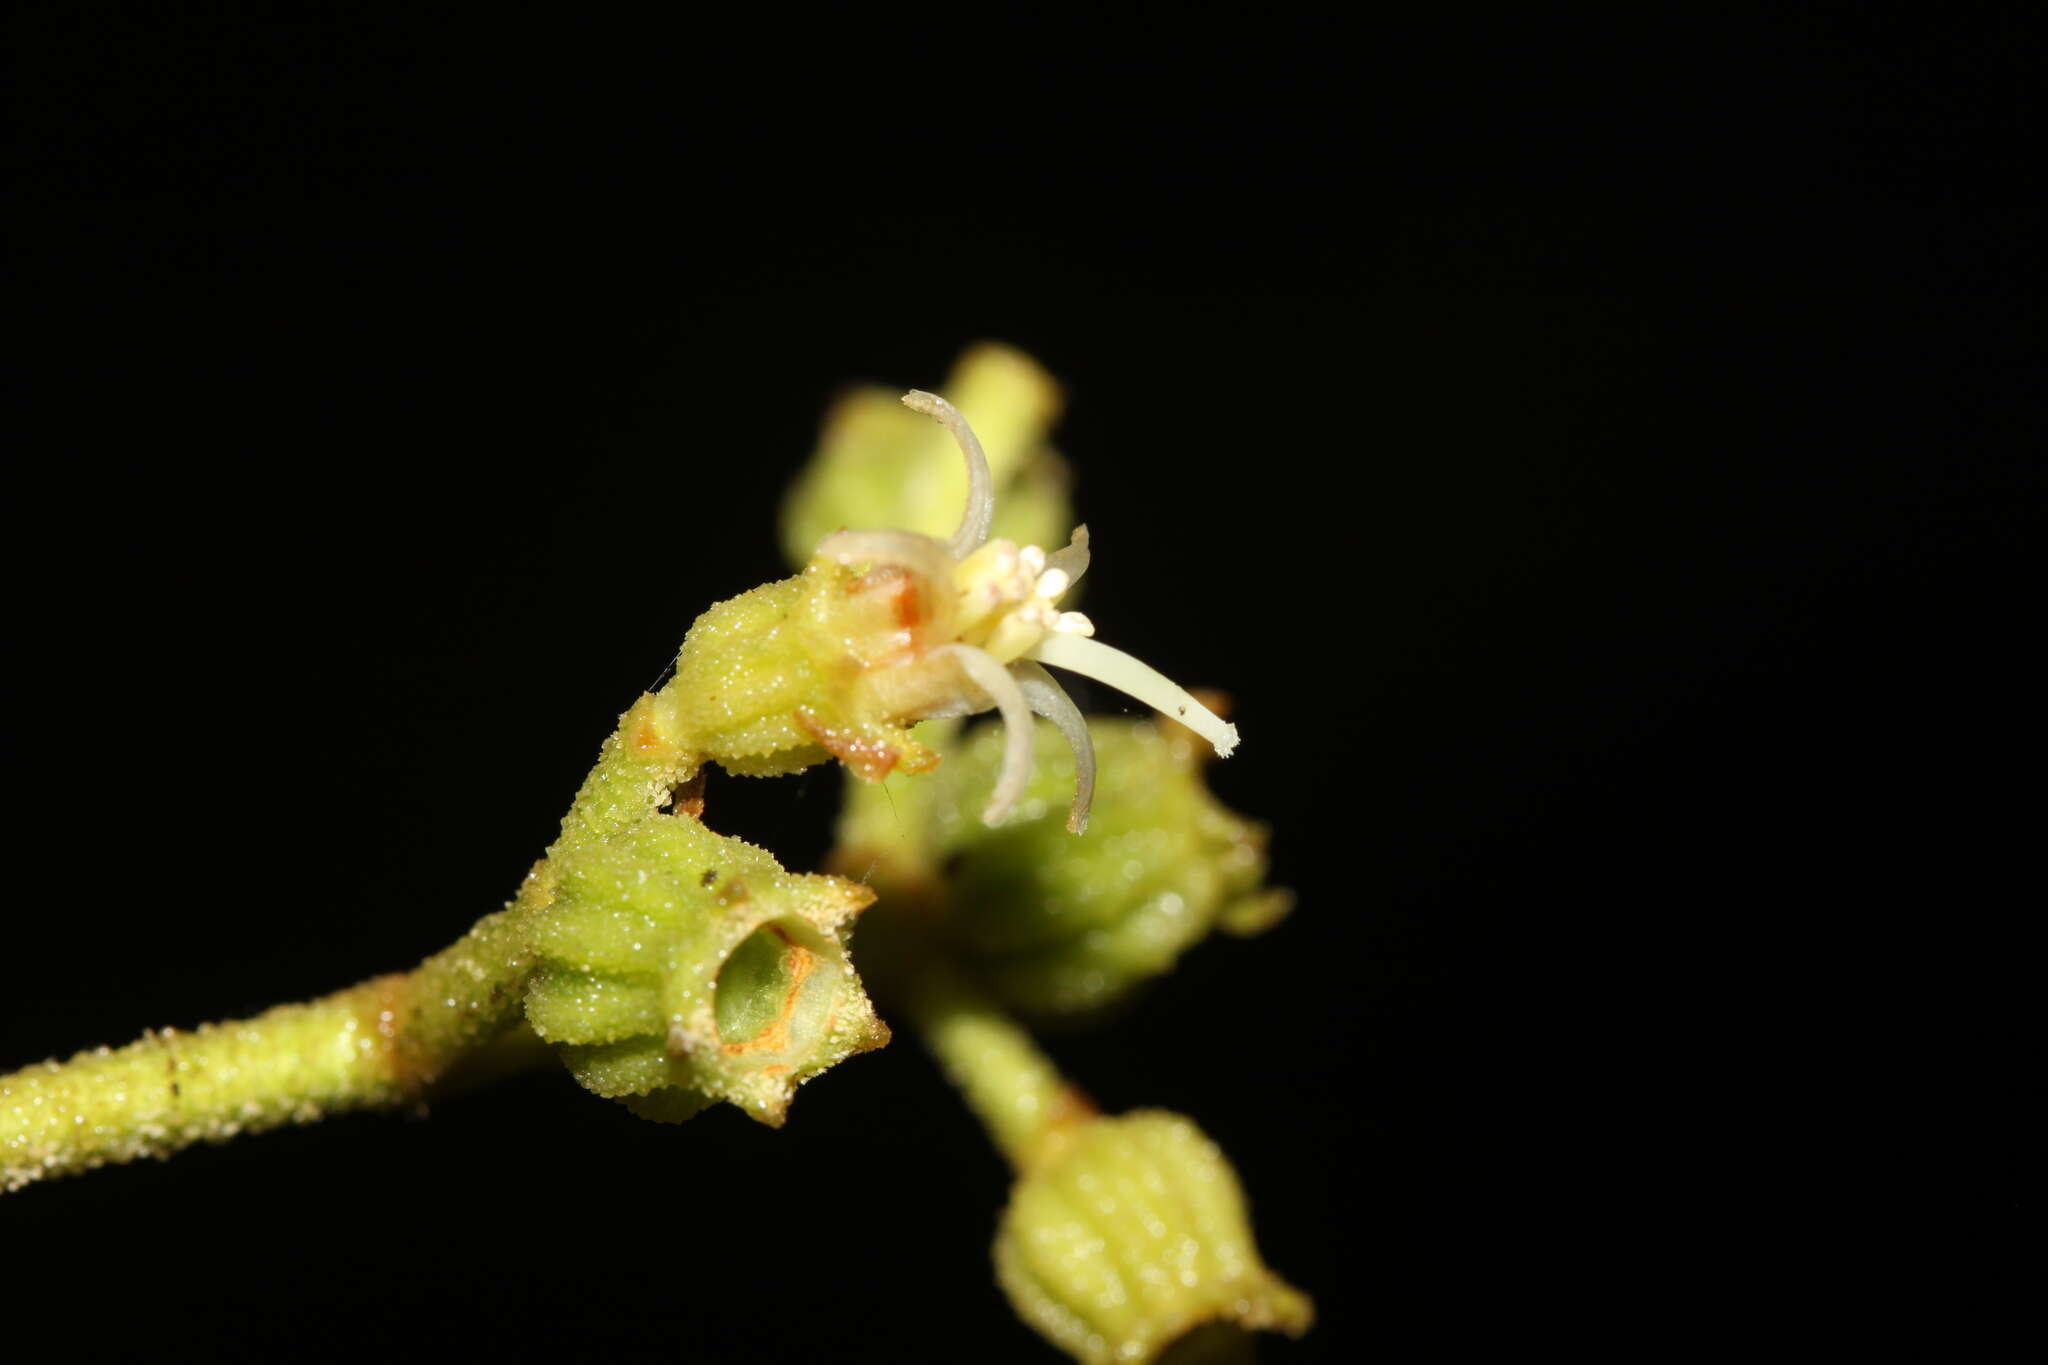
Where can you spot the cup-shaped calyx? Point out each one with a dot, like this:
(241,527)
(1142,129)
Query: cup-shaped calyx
(888,627)
(1132,1235)
(678,967)
(1062,926)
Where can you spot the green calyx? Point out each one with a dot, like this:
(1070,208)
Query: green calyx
(1131,1235)
(782,677)
(679,967)
(1060,925)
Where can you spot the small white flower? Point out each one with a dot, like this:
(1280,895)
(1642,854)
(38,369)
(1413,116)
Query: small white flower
(999,622)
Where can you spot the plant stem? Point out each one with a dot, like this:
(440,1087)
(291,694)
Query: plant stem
(1029,1109)
(376,1045)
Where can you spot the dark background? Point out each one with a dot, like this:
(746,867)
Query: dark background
(1603,467)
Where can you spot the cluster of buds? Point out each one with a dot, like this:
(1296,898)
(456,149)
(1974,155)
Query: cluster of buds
(673,968)
(679,968)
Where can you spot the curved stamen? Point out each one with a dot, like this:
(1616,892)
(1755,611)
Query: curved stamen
(981,488)
(1073,560)
(1050,700)
(1093,659)
(991,677)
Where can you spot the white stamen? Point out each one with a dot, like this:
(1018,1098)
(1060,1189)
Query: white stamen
(1051,584)
(1072,560)
(1050,700)
(981,487)
(991,677)
(1093,659)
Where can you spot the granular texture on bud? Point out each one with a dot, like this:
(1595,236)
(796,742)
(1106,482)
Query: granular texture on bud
(1132,1235)
(678,967)
(1060,926)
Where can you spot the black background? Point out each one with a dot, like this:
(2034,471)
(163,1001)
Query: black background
(1601,465)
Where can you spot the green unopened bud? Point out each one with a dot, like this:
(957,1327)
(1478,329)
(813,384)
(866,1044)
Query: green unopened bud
(1133,1234)
(1059,925)
(880,465)
(678,967)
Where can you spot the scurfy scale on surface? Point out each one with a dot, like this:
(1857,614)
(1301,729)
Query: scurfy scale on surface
(670,967)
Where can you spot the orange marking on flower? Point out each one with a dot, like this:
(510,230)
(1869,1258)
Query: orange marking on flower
(645,732)
(801,962)
(384,1016)
(900,589)
(1070,1112)
(870,759)
(688,797)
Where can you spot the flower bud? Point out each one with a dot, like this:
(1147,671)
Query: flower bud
(1130,1236)
(878,464)
(678,967)
(1059,925)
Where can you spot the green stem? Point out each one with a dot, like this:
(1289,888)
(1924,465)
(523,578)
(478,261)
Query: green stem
(452,1021)
(647,756)
(376,1045)
(1028,1108)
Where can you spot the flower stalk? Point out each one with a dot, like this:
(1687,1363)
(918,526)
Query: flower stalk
(1028,1108)
(389,1042)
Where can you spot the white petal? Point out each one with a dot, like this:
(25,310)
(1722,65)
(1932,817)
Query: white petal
(1096,660)
(981,488)
(1050,700)
(991,677)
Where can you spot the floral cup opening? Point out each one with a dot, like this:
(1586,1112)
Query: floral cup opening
(773,997)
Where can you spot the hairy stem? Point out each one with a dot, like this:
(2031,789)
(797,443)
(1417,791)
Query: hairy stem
(1029,1109)
(451,1022)
(376,1045)
(640,764)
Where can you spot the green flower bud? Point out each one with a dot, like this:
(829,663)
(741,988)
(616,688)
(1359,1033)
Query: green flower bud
(880,465)
(678,967)
(1132,1234)
(1058,925)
